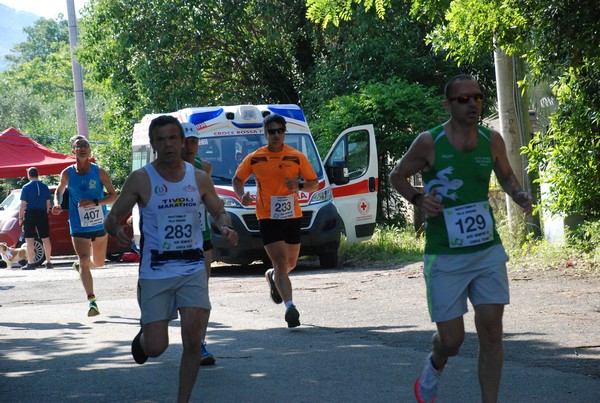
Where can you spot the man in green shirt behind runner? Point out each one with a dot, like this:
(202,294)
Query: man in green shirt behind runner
(464,257)
(190,154)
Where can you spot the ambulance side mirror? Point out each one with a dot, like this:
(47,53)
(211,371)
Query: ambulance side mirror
(337,172)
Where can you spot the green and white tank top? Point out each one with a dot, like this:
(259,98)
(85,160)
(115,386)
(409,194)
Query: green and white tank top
(207,233)
(462,182)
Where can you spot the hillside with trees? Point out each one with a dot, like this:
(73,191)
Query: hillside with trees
(12,23)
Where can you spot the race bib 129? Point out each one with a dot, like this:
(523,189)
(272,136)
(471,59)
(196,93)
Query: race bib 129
(469,224)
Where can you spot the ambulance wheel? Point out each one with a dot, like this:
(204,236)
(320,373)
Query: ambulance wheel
(329,260)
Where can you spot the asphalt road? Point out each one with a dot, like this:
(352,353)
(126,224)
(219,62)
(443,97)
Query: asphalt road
(364,336)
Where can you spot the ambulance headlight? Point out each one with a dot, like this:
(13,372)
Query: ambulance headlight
(322,196)
(229,201)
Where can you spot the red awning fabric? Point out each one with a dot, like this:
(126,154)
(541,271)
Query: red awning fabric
(18,152)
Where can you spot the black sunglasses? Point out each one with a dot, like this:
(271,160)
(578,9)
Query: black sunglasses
(279,130)
(464,99)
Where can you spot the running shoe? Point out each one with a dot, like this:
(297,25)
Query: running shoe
(274,293)
(76,266)
(207,358)
(137,351)
(427,383)
(28,266)
(292,316)
(93,308)
(49,265)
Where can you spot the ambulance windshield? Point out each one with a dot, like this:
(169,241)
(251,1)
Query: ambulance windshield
(226,152)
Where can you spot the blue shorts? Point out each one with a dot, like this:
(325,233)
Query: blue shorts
(160,299)
(451,279)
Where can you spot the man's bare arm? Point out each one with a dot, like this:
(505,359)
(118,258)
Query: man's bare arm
(214,206)
(505,174)
(60,191)
(419,157)
(132,193)
(110,189)
(238,188)
(207,167)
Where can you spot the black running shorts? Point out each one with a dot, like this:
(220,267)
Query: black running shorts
(280,230)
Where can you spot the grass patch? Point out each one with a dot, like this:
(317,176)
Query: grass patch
(579,251)
(542,255)
(389,244)
(393,245)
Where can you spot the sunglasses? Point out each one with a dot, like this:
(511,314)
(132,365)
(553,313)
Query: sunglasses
(464,99)
(279,130)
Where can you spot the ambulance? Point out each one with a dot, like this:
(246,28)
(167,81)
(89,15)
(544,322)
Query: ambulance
(345,202)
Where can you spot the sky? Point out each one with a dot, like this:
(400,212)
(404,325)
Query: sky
(44,8)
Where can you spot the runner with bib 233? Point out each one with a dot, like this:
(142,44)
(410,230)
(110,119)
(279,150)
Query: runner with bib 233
(281,172)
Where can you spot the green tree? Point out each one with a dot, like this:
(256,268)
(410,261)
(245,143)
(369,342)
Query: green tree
(36,96)
(559,43)
(162,56)
(371,49)
(566,52)
(399,111)
(35,88)
(44,38)
(154,56)
(381,70)
(326,11)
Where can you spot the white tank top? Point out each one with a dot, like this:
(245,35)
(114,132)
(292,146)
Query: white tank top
(171,226)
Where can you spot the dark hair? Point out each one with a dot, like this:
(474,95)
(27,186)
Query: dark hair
(164,120)
(450,83)
(75,138)
(33,172)
(274,118)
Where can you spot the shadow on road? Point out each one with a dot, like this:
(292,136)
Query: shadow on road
(274,364)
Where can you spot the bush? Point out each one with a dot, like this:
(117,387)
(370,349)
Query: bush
(586,240)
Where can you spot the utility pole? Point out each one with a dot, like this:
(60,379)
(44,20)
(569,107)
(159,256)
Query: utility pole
(513,114)
(82,123)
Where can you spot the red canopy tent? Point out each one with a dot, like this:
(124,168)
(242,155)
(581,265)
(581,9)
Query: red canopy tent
(18,152)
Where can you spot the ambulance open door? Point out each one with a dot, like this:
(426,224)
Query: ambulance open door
(352,169)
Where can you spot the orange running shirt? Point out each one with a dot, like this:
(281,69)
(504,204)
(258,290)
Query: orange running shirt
(270,169)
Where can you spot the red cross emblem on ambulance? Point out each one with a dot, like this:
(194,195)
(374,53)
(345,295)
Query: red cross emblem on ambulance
(363,206)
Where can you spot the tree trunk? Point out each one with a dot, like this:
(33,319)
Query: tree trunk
(513,124)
